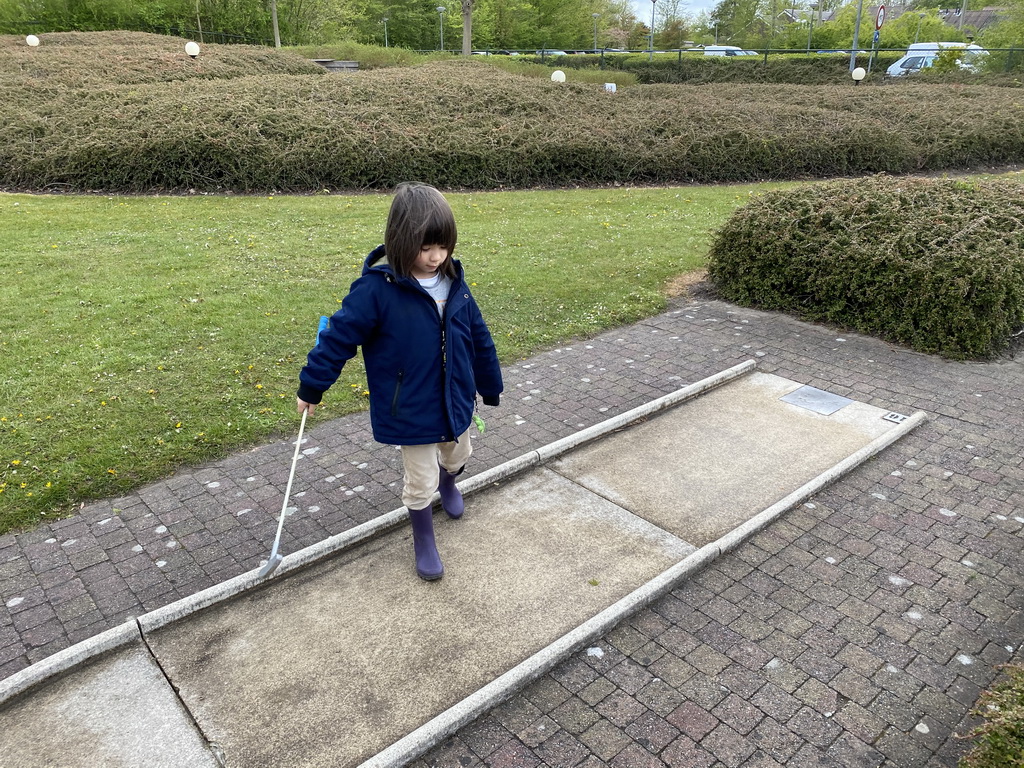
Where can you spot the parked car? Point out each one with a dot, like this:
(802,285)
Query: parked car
(923,55)
(551,52)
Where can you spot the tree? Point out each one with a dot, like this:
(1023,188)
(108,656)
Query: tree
(672,24)
(737,21)
(1009,32)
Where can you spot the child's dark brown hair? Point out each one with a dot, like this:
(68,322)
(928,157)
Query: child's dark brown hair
(419,216)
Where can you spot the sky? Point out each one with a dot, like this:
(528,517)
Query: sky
(642,8)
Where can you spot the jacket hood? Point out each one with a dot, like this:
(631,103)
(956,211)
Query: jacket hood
(377,261)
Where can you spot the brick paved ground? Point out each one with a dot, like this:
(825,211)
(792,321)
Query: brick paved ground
(858,630)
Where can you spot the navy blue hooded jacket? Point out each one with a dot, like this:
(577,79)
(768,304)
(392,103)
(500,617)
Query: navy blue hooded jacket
(423,371)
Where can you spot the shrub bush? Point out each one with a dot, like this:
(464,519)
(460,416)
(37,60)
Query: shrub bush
(86,60)
(173,124)
(693,68)
(937,265)
(789,68)
(368,56)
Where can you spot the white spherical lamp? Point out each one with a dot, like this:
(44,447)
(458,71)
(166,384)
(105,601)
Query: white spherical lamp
(32,41)
(558,76)
(192,49)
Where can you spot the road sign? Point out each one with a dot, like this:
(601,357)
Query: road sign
(880,17)
(875,39)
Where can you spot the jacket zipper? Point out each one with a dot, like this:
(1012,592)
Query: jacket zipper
(444,359)
(398,390)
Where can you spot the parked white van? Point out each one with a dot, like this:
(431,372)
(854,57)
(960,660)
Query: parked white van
(922,55)
(727,50)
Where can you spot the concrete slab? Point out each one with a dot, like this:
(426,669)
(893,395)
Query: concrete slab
(336,662)
(711,464)
(117,711)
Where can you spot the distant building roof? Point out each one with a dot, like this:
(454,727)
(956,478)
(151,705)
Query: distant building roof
(976,19)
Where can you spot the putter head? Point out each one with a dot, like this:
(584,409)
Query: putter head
(270,566)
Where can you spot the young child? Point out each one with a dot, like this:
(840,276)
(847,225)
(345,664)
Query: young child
(428,353)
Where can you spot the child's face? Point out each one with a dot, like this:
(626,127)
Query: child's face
(427,262)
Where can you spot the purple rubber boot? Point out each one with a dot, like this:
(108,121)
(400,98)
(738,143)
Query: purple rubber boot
(451,498)
(428,562)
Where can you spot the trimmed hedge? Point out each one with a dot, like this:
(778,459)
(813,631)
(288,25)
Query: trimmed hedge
(937,265)
(173,124)
(693,68)
(86,60)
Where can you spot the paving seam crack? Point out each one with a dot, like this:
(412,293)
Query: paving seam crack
(215,749)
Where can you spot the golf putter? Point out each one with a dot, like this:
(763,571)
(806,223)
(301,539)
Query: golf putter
(275,557)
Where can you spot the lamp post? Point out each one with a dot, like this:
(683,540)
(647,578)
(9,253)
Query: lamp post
(651,54)
(810,25)
(192,49)
(920,18)
(858,74)
(384,21)
(595,17)
(856,36)
(440,15)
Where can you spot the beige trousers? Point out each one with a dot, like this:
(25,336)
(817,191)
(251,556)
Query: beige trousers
(421,472)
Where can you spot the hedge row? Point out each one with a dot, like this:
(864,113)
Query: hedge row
(693,68)
(86,60)
(465,124)
(937,265)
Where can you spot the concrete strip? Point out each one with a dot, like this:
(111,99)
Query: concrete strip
(116,711)
(738,535)
(557,448)
(690,470)
(62,661)
(448,722)
(362,641)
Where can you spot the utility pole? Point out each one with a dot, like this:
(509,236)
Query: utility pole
(273,20)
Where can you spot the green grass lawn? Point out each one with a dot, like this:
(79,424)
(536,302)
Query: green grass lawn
(146,333)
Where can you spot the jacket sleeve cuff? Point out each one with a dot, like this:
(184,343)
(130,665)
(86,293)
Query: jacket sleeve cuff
(488,399)
(312,396)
